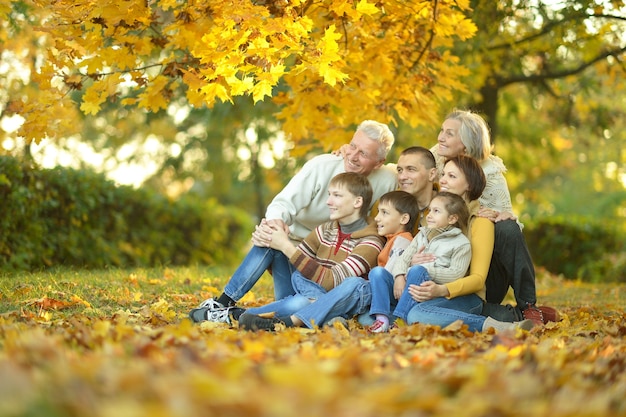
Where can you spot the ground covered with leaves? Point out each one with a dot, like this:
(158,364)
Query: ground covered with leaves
(118,343)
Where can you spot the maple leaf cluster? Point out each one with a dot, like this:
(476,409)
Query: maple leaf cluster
(329,63)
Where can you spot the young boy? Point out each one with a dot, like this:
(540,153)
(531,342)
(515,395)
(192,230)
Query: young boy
(347,246)
(397,212)
(445,237)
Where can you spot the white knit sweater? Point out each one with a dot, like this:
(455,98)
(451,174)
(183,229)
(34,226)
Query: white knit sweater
(496,195)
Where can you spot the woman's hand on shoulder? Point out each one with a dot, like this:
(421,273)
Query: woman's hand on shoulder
(494,215)
(341,151)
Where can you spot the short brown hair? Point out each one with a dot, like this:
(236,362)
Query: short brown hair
(358,185)
(427,157)
(404,203)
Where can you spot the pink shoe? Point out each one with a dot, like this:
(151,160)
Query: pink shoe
(379,327)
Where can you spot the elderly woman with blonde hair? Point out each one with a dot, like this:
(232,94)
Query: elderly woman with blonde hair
(467,133)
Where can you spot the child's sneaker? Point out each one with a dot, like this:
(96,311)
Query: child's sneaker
(211,304)
(379,327)
(207,314)
(254,322)
(211,310)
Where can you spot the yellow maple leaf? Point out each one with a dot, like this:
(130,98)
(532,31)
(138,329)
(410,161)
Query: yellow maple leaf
(261,90)
(92,101)
(331,75)
(342,8)
(238,86)
(214,90)
(153,97)
(366,8)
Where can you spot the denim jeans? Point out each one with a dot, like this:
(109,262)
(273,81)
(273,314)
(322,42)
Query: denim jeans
(415,276)
(306,291)
(257,261)
(383,299)
(313,305)
(511,266)
(351,297)
(442,311)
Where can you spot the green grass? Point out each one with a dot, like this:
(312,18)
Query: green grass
(103,292)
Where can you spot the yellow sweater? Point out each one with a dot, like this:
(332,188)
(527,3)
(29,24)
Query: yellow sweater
(481,236)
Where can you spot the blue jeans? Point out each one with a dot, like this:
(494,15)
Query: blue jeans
(313,305)
(306,291)
(415,276)
(257,261)
(442,311)
(383,299)
(351,297)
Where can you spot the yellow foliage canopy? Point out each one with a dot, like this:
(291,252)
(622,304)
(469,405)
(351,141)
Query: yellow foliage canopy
(330,63)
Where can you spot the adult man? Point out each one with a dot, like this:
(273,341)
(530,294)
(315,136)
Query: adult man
(298,209)
(417,175)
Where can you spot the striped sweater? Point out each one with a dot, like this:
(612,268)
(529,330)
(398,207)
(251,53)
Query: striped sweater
(328,256)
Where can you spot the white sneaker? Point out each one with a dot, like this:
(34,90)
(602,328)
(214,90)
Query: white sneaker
(210,310)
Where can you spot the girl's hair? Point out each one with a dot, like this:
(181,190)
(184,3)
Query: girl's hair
(358,185)
(474,175)
(474,133)
(404,203)
(379,132)
(455,205)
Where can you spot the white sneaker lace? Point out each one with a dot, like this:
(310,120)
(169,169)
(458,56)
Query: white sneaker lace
(218,316)
(211,304)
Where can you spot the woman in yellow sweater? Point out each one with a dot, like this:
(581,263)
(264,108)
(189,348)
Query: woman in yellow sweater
(442,304)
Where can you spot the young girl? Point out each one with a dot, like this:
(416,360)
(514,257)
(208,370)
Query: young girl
(445,238)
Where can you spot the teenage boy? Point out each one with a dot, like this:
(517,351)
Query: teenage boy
(346,246)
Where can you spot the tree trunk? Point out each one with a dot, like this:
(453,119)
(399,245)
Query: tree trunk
(488,106)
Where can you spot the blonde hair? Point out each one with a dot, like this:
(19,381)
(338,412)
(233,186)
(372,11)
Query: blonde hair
(474,133)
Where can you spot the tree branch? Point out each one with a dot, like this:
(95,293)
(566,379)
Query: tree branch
(551,25)
(429,42)
(550,75)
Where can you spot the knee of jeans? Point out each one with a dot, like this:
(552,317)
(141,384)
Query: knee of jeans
(354,282)
(416,272)
(297,302)
(507,227)
(377,272)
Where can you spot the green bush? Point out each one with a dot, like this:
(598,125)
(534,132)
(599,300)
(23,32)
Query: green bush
(79,218)
(578,248)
